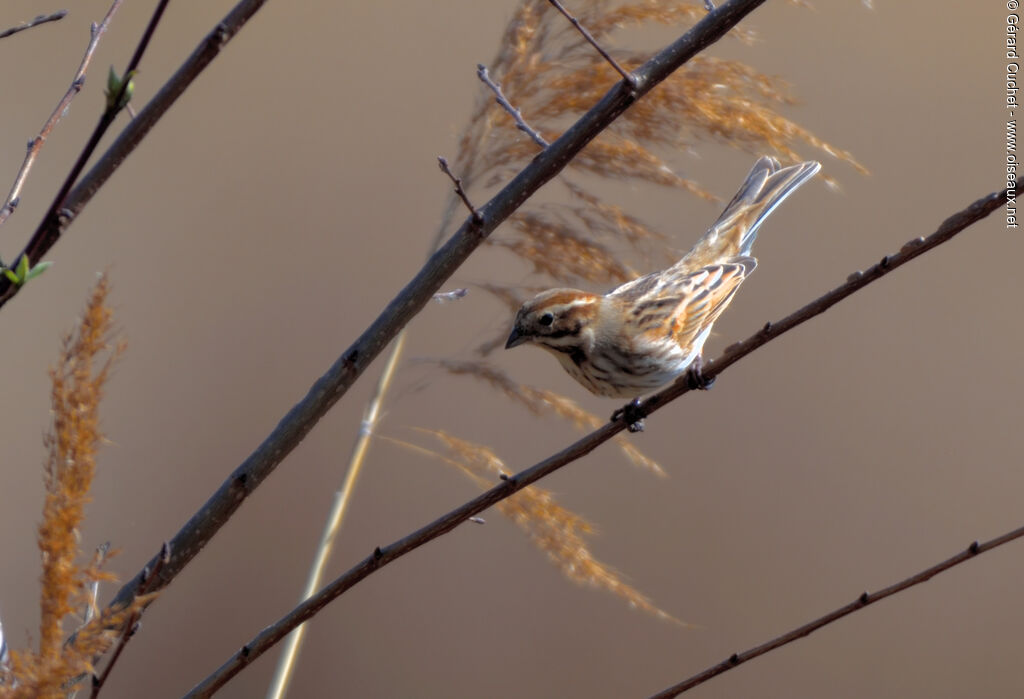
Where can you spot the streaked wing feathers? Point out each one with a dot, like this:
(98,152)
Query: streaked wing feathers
(683,306)
(713,290)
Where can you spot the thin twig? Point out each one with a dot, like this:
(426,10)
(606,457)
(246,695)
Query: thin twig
(510,485)
(41,19)
(58,215)
(499,97)
(627,76)
(335,383)
(57,220)
(147,35)
(864,600)
(36,144)
(476,216)
(132,625)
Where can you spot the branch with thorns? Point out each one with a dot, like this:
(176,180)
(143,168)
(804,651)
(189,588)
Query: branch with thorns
(511,484)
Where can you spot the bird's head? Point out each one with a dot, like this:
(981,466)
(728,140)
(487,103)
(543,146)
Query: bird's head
(556,320)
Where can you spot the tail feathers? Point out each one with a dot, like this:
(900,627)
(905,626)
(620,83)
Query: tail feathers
(735,231)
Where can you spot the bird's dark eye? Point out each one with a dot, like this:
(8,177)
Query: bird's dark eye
(546,319)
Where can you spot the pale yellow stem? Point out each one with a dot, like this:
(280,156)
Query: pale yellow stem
(286,664)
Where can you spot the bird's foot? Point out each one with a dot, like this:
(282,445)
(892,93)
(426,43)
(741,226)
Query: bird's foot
(695,376)
(630,414)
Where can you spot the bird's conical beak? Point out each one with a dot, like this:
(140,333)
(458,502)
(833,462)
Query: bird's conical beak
(515,338)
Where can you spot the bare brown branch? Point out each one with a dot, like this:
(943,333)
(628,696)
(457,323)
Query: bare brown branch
(457,181)
(36,144)
(626,75)
(499,97)
(382,556)
(864,600)
(35,22)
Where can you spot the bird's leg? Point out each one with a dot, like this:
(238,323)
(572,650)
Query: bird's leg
(695,376)
(630,414)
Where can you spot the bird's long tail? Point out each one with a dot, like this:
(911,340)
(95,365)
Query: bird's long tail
(733,234)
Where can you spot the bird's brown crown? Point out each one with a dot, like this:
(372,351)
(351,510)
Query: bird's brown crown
(554,318)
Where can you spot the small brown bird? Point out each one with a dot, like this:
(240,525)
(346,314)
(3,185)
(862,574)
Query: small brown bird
(647,332)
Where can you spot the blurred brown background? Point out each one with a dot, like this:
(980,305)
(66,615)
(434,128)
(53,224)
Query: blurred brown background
(294,189)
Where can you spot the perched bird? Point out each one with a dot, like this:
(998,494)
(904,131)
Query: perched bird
(647,332)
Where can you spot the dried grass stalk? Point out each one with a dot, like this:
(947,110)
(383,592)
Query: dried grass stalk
(543,402)
(82,369)
(551,74)
(556,530)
